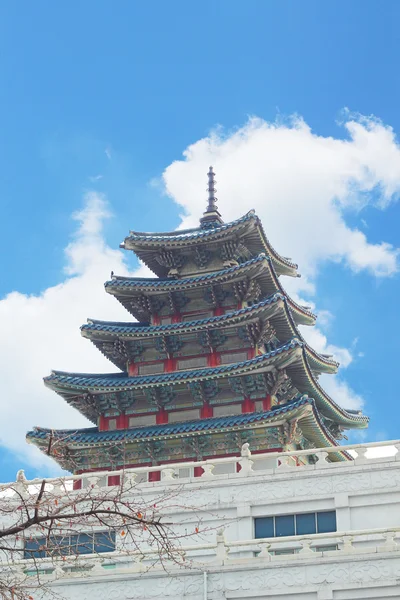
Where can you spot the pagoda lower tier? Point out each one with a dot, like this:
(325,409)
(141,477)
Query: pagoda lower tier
(296,424)
(281,373)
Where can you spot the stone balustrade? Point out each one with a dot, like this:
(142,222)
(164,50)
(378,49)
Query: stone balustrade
(245,465)
(336,546)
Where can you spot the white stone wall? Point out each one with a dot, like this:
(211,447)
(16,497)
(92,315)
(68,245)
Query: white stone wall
(365,494)
(368,576)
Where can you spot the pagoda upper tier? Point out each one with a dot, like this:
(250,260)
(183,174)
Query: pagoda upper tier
(187,251)
(250,281)
(263,324)
(216,359)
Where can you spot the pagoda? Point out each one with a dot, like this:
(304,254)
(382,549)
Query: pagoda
(215,358)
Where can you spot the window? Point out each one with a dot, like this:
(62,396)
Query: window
(196,362)
(232,357)
(326,521)
(183,415)
(151,368)
(300,524)
(197,316)
(82,543)
(166,320)
(284,526)
(142,420)
(112,424)
(306,524)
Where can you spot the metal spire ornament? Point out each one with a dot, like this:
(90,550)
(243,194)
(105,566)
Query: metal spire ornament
(212,217)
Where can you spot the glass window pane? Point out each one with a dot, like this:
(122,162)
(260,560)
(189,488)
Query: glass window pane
(34,548)
(59,545)
(264,527)
(284,525)
(326,521)
(104,541)
(84,544)
(305,524)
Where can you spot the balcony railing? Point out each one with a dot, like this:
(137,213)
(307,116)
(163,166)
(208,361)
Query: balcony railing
(203,557)
(244,465)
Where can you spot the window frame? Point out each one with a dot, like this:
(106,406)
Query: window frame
(294,515)
(44,550)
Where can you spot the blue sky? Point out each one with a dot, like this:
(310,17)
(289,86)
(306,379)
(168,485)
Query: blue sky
(97,102)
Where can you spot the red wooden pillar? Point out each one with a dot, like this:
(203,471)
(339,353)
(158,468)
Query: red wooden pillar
(267,402)
(132,369)
(213,359)
(121,422)
(161,416)
(206,411)
(251,353)
(248,405)
(169,365)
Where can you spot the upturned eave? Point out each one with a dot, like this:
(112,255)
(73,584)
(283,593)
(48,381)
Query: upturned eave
(275,308)
(259,268)
(81,390)
(248,229)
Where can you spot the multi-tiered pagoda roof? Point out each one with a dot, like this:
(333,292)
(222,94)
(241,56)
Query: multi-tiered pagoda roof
(216,358)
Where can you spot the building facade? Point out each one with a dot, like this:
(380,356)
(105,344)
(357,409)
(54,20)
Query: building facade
(323,531)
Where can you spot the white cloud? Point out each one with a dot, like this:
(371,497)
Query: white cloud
(301,185)
(318,340)
(42,332)
(340,391)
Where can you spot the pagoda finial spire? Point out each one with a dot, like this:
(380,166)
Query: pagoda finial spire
(211,218)
(211,191)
